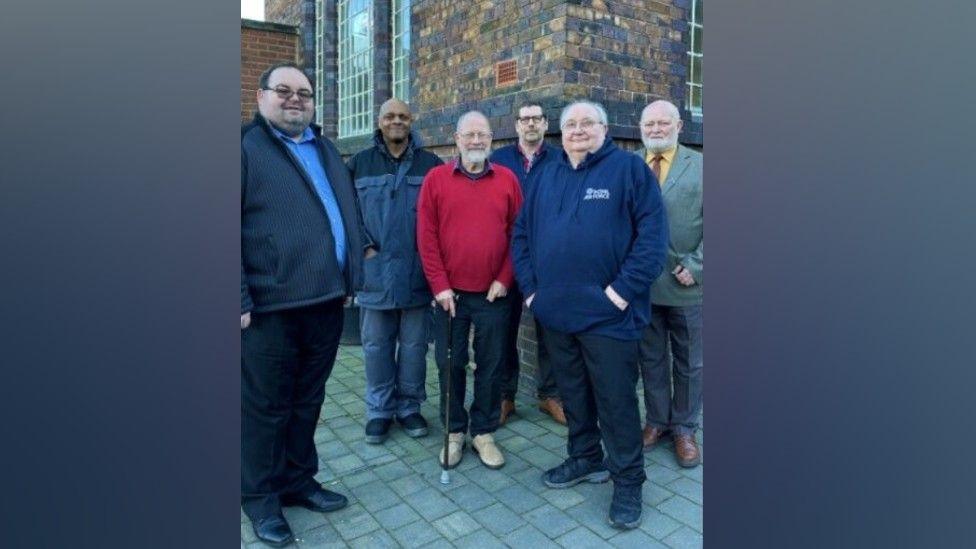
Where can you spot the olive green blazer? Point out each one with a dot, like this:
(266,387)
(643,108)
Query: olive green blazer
(682,194)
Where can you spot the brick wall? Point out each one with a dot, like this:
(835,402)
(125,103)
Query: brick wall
(286,12)
(262,44)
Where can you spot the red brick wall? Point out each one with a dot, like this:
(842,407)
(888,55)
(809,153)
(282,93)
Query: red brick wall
(262,44)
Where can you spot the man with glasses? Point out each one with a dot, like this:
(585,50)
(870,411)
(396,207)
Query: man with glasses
(395,296)
(464,225)
(301,254)
(525,158)
(589,242)
(676,298)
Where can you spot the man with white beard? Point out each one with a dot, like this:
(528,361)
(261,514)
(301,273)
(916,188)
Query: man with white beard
(465,215)
(676,298)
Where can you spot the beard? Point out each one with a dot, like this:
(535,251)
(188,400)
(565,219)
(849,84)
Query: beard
(474,157)
(660,145)
(294,123)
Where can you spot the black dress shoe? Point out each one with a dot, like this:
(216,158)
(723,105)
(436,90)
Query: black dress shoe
(414,425)
(321,501)
(273,530)
(377,430)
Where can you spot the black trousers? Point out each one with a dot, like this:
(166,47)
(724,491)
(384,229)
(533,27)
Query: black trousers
(546,386)
(597,377)
(490,323)
(286,357)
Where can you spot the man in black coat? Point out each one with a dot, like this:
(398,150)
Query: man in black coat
(301,257)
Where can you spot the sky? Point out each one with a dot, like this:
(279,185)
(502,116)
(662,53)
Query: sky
(252,9)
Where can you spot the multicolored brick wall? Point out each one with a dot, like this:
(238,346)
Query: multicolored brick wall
(262,44)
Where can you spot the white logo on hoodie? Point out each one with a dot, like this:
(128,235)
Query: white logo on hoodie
(597,194)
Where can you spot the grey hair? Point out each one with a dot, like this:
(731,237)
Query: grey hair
(669,106)
(600,111)
(467,115)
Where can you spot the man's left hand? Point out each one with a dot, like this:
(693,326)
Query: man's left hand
(683,275)
(496,290)
(615,298)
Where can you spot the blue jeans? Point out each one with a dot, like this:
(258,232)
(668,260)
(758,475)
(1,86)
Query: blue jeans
(395,355)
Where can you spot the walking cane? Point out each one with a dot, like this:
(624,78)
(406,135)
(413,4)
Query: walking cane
(445,476)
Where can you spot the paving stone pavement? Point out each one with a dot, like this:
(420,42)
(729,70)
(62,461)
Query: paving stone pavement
(396,498)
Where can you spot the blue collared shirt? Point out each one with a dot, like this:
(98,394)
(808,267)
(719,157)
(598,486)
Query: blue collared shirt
(306,150)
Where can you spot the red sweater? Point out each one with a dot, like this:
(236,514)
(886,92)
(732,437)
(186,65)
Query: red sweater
(464,227)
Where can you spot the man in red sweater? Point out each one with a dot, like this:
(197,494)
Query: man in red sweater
(465,215)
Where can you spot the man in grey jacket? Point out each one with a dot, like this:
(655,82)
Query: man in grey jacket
(676,296)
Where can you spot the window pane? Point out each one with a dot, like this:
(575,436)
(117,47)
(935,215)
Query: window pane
(696,97)
(698,11)
(695,70)
(696,39)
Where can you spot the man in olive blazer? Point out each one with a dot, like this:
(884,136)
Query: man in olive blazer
(676,296)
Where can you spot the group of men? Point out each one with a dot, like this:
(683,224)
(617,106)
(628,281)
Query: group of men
(603,246)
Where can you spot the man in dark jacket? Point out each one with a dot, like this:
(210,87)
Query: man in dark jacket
(301,253)
(395,297)
(525,158)
(590,240)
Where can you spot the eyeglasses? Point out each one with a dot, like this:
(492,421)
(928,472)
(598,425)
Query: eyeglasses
(468,136)
(527,119)
(584,124)
(285,92)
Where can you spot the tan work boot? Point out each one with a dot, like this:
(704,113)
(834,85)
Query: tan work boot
(484,445)
(455,449)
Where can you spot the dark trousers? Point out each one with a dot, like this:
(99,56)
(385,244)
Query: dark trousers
(597,377)
(490,322)
(286,357)
(682,328)
(546,387)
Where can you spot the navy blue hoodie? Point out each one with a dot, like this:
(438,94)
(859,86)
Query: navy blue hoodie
(580,230)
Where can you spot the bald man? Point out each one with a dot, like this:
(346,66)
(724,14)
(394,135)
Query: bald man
(394,297)
(676,296)
(464,224)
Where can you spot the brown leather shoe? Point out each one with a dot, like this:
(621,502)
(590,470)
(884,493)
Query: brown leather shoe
(508,408)
(686,450)
(554,408)
(651,436)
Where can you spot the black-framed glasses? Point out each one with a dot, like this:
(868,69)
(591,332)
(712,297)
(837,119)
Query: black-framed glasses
(536,119)
(285,92)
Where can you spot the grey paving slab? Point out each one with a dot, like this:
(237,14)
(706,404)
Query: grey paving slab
(581,538)
(635,539)
(518,498)
(396,517)
(375,496)
(392,471)
(653,494)
(347,464)
(456,525)
(302,520)
(480,539)
(657,524)
(406,485)
(527,429)
(684,538)
(360,478)
(563,498)
(498,519)
(416,534)
(490,480)
(542,458)
(551,521)
(431,504)
(378,539)
(684,510)
(660,474)
(688,488)
(528,536)
(323,537)
(352,522)
(470,497)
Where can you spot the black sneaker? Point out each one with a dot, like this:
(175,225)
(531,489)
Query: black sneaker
(625,509)
(574,471)
(377,430)
(414,425)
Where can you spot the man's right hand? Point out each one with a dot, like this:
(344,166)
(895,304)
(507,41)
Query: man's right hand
(528,300)
(446,300)
(245,320)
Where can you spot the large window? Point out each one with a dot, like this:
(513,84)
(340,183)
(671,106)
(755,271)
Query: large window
(355,67)
(401,50)
(695,59)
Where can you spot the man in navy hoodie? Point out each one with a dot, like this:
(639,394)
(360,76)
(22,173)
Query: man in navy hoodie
(591,238)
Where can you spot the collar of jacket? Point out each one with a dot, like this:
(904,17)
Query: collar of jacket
(413,143)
